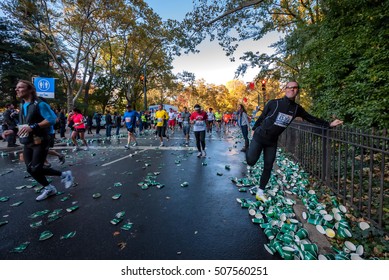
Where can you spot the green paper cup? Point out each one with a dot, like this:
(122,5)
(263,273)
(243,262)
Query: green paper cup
(315,220)
(312,248)
(266,225)
(270,233)
(257,221)
(302,233)
(288,238)
(286,228)
(308,256)
(270,249)
(286,254)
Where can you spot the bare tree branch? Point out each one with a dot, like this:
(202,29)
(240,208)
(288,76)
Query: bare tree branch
(241,7)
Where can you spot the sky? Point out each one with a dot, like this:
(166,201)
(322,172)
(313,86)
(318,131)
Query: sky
(211,64)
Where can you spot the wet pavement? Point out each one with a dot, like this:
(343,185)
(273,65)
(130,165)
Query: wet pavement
(199,221)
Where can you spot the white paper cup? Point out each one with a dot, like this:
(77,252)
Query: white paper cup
(363,225)
(349,245)
(360,250)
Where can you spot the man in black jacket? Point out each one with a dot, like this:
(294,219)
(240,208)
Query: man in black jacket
(275,118)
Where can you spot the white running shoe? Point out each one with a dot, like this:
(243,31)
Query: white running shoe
(126,146)
(75,149)
(199,154)
(47,191)
(86,148)
(260,195)
(135,144)
(67,179)
(203,154)
(161,145)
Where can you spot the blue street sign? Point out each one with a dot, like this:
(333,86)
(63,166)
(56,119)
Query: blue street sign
(45,87)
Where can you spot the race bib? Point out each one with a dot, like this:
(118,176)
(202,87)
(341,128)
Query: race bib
(283,120)
(160,120)
(127,119)
(186,122)
(200,123)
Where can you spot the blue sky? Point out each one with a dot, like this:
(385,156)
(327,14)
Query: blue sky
(211,63)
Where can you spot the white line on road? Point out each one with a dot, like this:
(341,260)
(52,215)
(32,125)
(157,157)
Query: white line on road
(119,159)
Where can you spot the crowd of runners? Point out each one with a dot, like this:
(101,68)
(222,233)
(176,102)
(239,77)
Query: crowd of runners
(37,122)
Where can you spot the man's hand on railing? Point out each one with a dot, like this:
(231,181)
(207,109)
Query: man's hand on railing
(336,123)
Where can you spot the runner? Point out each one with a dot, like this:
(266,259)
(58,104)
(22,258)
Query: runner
(243,123)
(275,118)
(161,117)
(172,119)
(130,118)
(199,121)
(79,129)
(35,118)
(179,120)
(226,121)
(211,119)
(218,118)
(185,116)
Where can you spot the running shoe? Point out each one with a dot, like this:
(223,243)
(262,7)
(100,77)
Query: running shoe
(61,159)
(75,149)
(86,148)
(203,154)
(47,191)
(67,179)
(199,154)
(161,145)
(260,195)
(135,144)
(126,147)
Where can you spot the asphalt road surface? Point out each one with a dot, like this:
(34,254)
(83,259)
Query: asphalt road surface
(200,221)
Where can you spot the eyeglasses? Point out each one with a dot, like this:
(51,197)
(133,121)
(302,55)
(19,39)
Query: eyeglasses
(295,87)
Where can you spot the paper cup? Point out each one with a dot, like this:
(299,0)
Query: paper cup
(328,217)
(252,211)
(337,216)
(330,232)
(270,249)
(360,250)
(308,256)
(363,225)
(321,229)
(312,248)
(350,246)
(286,228)
(258,215)
(286,254)
(302,233)
(257,221)
(270,233)
(342,208)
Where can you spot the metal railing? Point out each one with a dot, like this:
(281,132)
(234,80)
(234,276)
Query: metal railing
(353,163)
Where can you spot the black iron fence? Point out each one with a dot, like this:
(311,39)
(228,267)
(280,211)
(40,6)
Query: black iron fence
(353,163)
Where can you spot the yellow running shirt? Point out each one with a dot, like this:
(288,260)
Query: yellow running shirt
(160,116)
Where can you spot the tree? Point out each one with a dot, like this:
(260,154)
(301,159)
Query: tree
(335,49)
(21,57)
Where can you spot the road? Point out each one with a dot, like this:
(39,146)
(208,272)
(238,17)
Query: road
(200,221)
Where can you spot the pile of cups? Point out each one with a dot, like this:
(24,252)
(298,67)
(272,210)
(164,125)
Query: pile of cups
(277,218)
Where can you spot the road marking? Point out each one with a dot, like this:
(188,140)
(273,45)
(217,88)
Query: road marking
(147,148)
(119,159)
